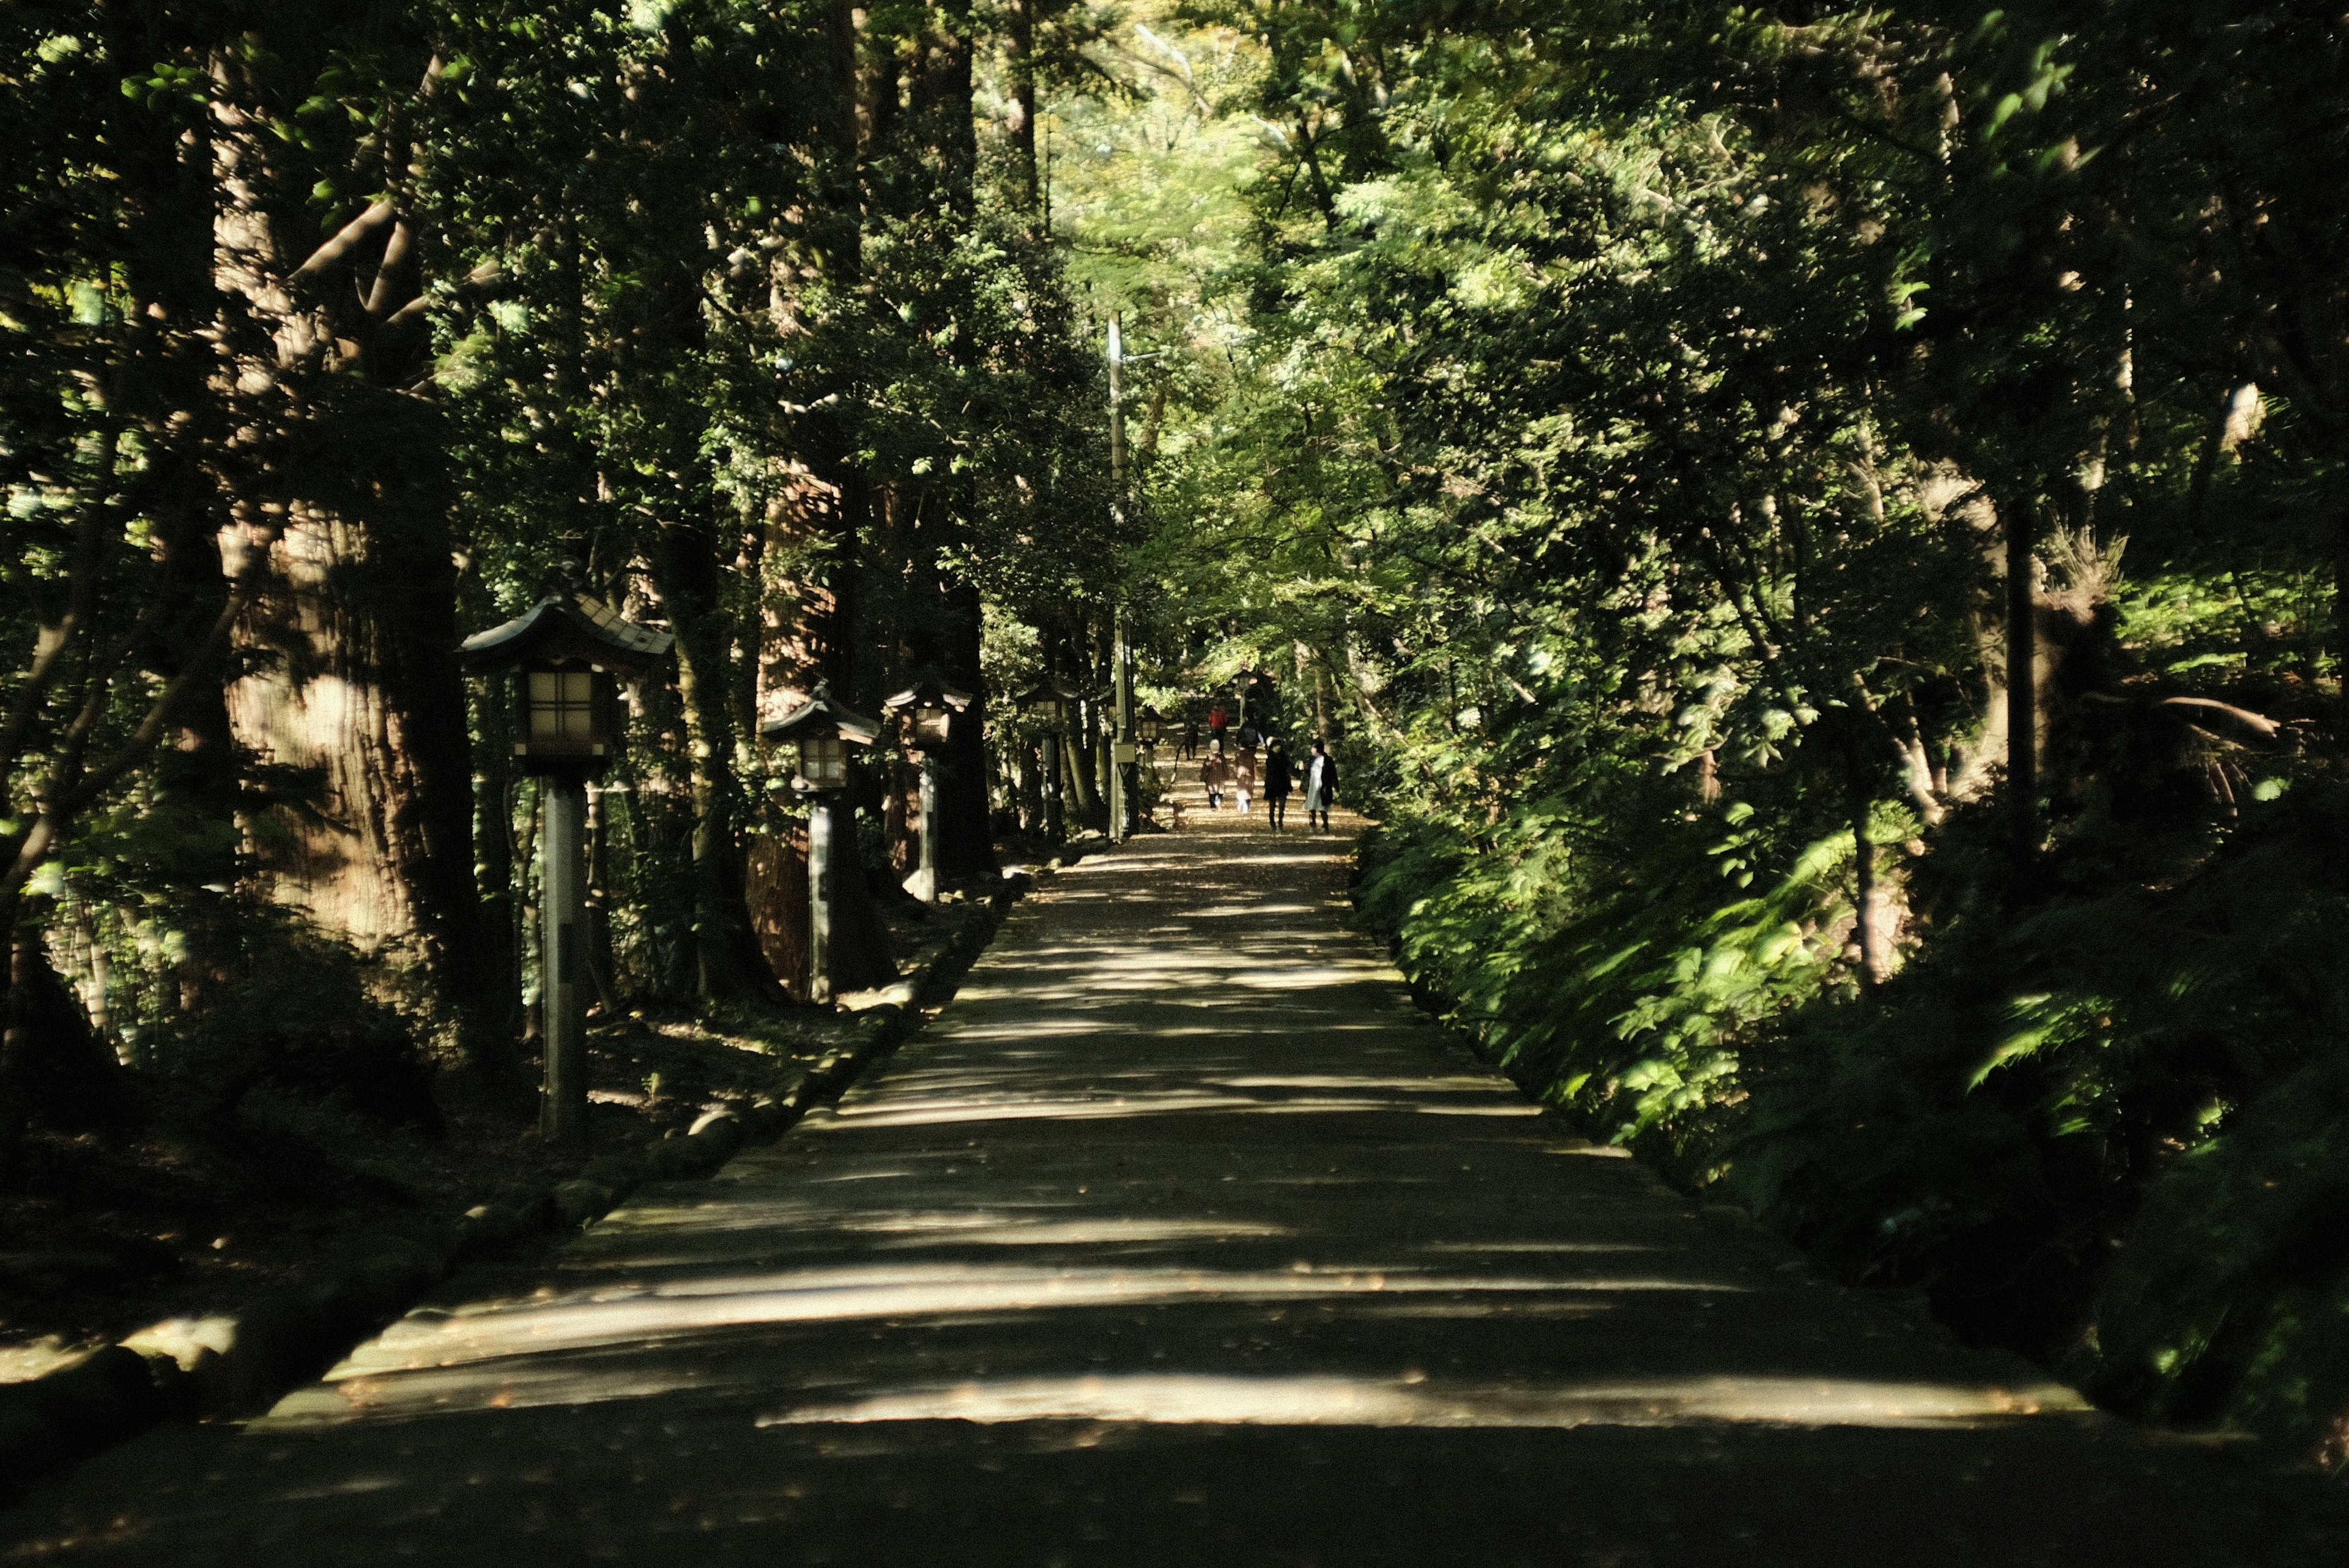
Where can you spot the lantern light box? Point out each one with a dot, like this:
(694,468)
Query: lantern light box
(568,654)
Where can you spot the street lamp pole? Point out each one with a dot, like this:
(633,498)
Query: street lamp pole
(1122,778)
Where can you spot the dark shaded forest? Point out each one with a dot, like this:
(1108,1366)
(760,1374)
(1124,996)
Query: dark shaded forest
(1816,531)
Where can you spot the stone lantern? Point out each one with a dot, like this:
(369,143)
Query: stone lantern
(928,709)
(567,654)
(822,728)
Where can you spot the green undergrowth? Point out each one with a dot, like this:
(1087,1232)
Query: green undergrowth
(2104,1121)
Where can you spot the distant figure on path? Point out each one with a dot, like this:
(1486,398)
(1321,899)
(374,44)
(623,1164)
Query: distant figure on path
(1277,782)
(1320,786)
(1212,773)
(1189,747)
(1217,722)
(1244,777)
(1250,738)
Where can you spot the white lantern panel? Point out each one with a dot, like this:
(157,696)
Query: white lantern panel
(562,705)
(823,761)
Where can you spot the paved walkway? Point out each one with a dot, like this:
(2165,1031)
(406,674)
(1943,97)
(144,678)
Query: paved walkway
(1178,1239)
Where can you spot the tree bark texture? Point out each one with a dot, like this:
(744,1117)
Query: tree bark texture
(346,676)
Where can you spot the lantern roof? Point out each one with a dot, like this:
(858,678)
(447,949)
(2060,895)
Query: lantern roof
(567,625)
(823,712)
(929,688)
(1050,687)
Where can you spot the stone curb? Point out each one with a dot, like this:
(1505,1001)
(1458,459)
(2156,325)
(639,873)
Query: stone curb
(228,1367)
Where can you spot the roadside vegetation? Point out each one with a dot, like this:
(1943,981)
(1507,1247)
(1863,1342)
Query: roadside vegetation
(1660,437)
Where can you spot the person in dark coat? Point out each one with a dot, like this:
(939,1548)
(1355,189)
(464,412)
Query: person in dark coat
(1320,786)
(1277,782)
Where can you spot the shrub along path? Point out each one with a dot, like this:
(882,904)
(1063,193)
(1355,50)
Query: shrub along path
(1180,1237)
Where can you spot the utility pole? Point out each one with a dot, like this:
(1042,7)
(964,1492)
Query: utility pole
(1123,756)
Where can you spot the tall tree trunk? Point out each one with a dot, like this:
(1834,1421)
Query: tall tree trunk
(965,822)
(348,673)
(1020,121)
(808,601)
(2021,683)
(809,614)
(942,122)
(727,962)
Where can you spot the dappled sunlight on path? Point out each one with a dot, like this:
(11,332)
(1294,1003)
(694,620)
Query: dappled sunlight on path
(1179,1235)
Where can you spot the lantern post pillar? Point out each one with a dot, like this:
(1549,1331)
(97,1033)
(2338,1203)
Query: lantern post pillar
(1126,753)
(824,729)
(1123,776)
(926,712)
(925,876)
(822,814)
(563,963)
(566,656)
(1051,745)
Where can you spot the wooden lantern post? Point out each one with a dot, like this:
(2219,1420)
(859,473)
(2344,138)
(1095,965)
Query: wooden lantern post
(1048,703)
(928,709)
(823,730)
(567,654)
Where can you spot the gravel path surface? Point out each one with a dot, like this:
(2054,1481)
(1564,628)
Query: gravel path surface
(1181,1238)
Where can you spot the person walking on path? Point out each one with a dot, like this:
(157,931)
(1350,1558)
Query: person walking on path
(1189,748)
(1276,785)
(1217,722)
(1244,777)
(1212,774)
(1320,786)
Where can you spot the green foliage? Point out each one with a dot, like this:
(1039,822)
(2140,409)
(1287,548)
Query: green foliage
(1621,414)
(1620,984)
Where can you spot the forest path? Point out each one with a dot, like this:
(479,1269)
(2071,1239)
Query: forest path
(1179,1237)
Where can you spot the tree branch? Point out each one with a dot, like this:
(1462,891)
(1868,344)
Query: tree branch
(347,239)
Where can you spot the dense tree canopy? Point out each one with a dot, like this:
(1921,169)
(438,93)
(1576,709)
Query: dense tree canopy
(1815,530)
(1658,434)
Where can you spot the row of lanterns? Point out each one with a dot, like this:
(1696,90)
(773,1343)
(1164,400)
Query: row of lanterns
(567,654)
